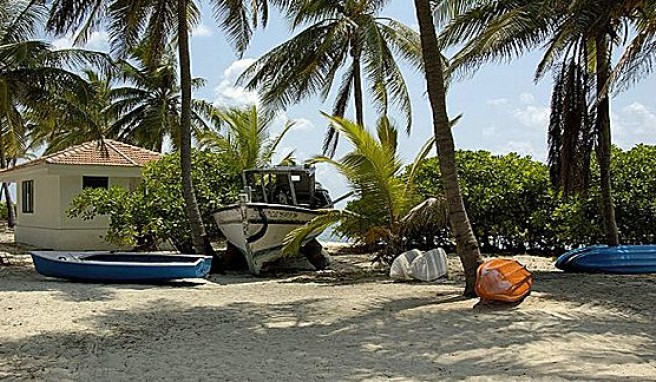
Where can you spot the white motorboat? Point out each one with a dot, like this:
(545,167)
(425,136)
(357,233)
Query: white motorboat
(276,200)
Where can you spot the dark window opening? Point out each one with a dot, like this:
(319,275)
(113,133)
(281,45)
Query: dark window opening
(27,196)
(95,182)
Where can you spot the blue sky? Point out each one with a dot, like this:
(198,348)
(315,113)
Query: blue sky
(503,109)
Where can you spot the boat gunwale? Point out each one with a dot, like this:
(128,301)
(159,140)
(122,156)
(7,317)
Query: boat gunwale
(201,259)
(269,206)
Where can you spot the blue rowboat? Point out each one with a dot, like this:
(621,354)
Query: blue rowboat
(626,259)
(120,267)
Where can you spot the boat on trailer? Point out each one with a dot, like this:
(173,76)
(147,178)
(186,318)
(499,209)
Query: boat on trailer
(104,266)
(624,259)
(275,201)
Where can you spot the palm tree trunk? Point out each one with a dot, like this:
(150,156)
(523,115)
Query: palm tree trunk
(357,90)
(466,244)
(604,140)
(198,235)
(11,213)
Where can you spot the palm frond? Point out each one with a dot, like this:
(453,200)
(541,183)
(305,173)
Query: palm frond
(294,240)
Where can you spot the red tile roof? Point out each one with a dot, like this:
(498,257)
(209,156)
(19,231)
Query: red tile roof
(93,153)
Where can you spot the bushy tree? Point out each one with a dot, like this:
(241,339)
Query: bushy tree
(154,211)
(502,195)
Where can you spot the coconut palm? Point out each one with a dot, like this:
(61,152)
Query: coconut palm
(31,73)
(146,108)
(336,35)
(466,243)
(69,119)
(155,23)
(243,134)
(374,170)
(581,33)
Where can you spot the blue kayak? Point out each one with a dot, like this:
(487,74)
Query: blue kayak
(626,259)
(120,267)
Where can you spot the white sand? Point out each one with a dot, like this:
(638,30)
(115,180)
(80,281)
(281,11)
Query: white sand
(352,324)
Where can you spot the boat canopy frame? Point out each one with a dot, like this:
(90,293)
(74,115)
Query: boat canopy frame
(291,185)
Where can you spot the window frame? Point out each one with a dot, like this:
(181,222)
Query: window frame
(27,196)
(92,178)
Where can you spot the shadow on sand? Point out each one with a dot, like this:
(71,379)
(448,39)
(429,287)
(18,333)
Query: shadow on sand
(420,338)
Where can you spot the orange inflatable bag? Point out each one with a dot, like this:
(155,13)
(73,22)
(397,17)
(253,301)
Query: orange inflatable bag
(503,280)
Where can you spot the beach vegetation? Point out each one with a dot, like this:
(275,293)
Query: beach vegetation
(154,211)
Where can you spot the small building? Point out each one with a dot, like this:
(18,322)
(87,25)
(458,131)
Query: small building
(45,188)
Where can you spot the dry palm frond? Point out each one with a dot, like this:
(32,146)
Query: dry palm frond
(431,212)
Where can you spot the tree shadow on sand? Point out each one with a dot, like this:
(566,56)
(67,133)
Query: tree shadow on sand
(421,338)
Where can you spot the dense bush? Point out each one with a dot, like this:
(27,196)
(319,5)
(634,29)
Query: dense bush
(155,210)
(513,207)
(578,220)
(505,196)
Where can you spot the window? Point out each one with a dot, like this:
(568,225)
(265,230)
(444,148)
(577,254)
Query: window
(95,182)
(27,196)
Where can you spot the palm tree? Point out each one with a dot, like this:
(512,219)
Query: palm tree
(466,243)
(338,34)
(375,173)
(580,33)
(246,140)
(155,23)
(146,108)
(31,73)
(70,118)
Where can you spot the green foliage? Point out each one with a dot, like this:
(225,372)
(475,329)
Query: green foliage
(513,207)
(504,196)
(154,210)
(242,135)
(373,170)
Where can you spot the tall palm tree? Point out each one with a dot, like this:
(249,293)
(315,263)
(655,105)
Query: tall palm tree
(243,134)
(69,118)
(338,34)
(466,243)
(155,23)
(146,107)
(581,32)
(31,73)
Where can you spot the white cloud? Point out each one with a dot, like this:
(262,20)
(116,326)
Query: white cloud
(201,30)
(498,102)
(533,116)
(635,123)
(229,94)
(98,40)
(489,131)
(526,98)
(302,124)
(63,42)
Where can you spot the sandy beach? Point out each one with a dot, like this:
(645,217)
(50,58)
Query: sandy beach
(348,324)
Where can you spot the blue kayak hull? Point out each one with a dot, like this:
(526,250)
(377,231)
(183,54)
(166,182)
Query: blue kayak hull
(623,259)
(110,267)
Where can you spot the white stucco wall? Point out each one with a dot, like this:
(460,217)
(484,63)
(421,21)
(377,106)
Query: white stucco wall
(55,186)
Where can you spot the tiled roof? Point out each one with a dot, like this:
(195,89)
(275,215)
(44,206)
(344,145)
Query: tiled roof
(93,153)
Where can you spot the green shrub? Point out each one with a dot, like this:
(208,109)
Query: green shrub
(504,196)
(513,207)
(155,210)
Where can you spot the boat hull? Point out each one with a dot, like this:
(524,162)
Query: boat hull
(258,230)
(119,267)
(623,259)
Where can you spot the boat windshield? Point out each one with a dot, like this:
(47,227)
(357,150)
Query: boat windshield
(286,186)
